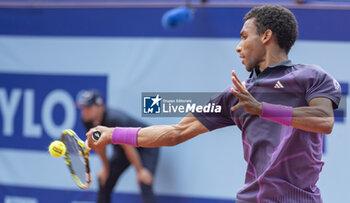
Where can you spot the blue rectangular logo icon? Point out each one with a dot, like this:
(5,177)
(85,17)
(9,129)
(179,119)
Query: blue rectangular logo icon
(152,104)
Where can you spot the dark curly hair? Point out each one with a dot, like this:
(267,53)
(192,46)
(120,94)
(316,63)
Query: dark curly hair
(279,20)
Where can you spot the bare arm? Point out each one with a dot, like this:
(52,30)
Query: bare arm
(170,135)
(155,136)
(102,154)
(143,175)
(133,157)
(317,117)
(104,171)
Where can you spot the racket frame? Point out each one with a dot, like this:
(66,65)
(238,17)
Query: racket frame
(84,152)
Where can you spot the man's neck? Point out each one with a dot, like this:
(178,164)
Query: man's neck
(272,58)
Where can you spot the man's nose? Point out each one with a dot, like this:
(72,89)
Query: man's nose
(239,47)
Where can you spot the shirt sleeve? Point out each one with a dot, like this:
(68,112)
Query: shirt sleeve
(322,84)
(215,120)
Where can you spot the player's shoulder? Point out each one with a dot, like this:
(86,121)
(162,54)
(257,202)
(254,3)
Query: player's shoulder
(308,70)
(308,67)
(225,95)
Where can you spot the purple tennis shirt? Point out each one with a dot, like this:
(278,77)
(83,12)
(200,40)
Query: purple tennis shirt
(283,163)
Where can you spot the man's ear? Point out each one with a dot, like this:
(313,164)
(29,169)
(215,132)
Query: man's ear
(267,36)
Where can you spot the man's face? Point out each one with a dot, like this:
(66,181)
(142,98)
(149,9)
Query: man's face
(89,113)
(250,48)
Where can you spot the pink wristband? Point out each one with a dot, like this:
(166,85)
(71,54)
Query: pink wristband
(125,136)
(277,113)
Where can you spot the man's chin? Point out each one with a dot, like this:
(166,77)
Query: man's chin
(249,69)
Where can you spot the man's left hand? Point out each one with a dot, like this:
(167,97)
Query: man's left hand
(245,99)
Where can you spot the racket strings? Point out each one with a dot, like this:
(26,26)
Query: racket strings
(76,159)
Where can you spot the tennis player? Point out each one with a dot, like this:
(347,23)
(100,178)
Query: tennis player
(283,110)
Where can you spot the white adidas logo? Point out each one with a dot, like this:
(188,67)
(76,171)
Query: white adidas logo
(278,85)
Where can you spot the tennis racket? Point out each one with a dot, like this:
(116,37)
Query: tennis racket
(77,157)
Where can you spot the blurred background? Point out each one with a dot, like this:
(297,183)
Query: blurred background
(50,50)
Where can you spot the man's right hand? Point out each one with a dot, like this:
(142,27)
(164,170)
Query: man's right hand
(105,139)
(103,175)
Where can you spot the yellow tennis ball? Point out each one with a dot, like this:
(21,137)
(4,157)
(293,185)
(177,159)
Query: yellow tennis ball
(57,148)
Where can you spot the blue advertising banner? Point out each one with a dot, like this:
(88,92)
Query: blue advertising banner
(35,108)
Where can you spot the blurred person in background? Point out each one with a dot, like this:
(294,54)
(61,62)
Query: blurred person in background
(93,113)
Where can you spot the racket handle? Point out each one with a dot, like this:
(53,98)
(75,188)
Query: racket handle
(96,135)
